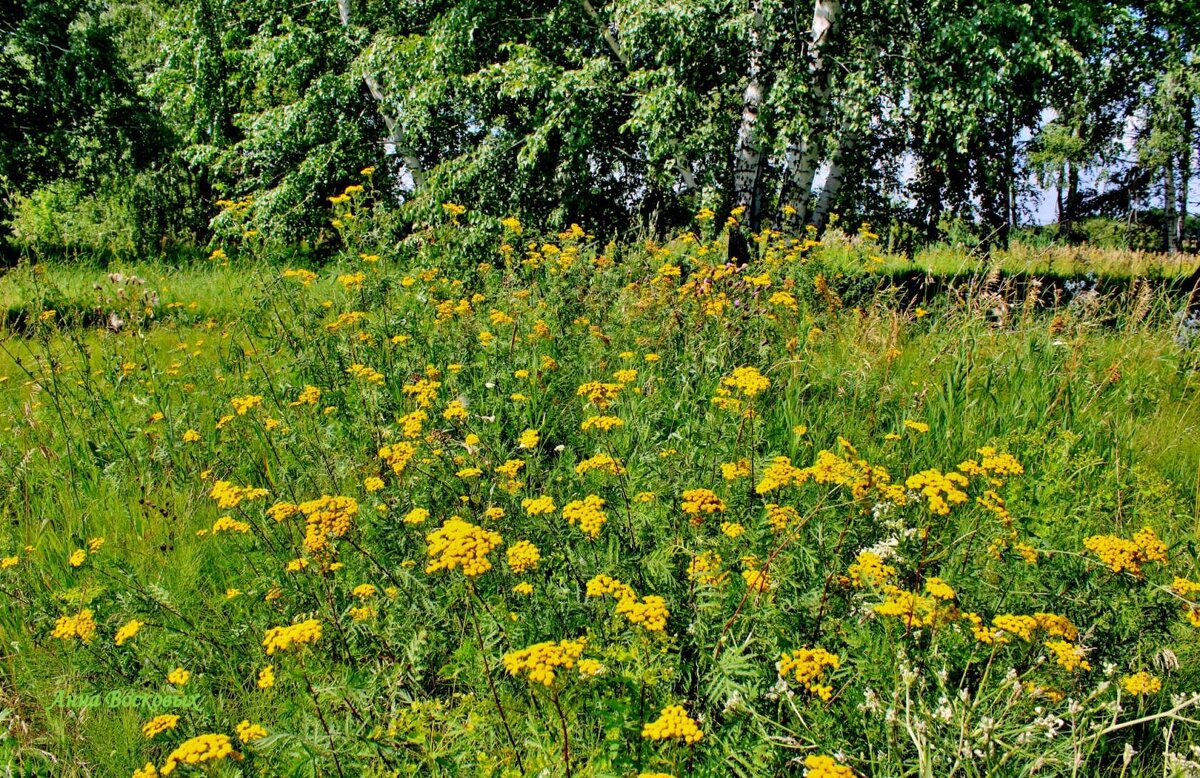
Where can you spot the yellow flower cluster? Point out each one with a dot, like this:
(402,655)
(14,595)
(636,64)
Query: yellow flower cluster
(286,637)
(673,723)
(200,749)
(416,516)
(1007,624)
(731,471)
(229,524)
(825,767)
(423,391)
(460,544)
(1069,655)
(942,491)
(243,404)
(397,456)
(868,569)
(539,661)
(705,568)
(992,462)
(780,474)
(780,517)
(939,589)
(160,724)
(650,612)
(698,502)
(523,556)
(602,585)
(807,666)
(911,608)
(1122,554)
(602,423)
(361,371)
(529,439)
(1141,683)
(82,625)
(538,506)
(588,513)
(747,381)
(309,395)
(599,393)
(229,496)
(602,463)
(127,631)
(327,517)
(248,733)
(179,677)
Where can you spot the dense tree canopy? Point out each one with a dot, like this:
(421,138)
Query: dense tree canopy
(620,115)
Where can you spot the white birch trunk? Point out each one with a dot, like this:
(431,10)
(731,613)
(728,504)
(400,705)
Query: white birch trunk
(833,183)
(801,158)
(411,161)
(747,154)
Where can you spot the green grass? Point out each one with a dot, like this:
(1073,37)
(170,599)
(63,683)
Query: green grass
(1095,399)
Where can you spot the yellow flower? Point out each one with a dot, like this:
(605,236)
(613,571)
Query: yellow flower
(200,749)
(538,506)
(416,516)
(673,723)
(294,635)
(159,724)
(697,502)
(82,625)
(266,677)
(825,767)
(128,631)
(650,612)
(78,557)
(732,529)
(807,667)
(1128,555)
(523,556)
(243,404)
(1141,683)
(191,436)
(539,661)
(247,732)
(588,513)
(460,544)
(523,588)
(1069,655)
(326,518)
(178,677)
(149,771)
(372,483)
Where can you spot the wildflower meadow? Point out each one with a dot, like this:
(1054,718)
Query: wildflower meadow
(501,502)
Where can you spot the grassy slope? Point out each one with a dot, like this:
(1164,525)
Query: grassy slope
(1104,418)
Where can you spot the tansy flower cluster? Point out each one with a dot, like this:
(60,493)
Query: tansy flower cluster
(523,556)
(807,667)
(1128,555)
(199,750)
(538,662)
(673,723)
(460,544)
(288,637)
(587,513)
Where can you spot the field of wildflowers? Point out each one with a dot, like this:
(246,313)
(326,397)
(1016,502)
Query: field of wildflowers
(559,508)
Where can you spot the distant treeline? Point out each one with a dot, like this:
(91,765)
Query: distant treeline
(124,122)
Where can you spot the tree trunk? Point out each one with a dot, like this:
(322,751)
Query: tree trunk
(1185,172)
(801,158)
(833,182)
(395,133)
(748,158)
(1169,204)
